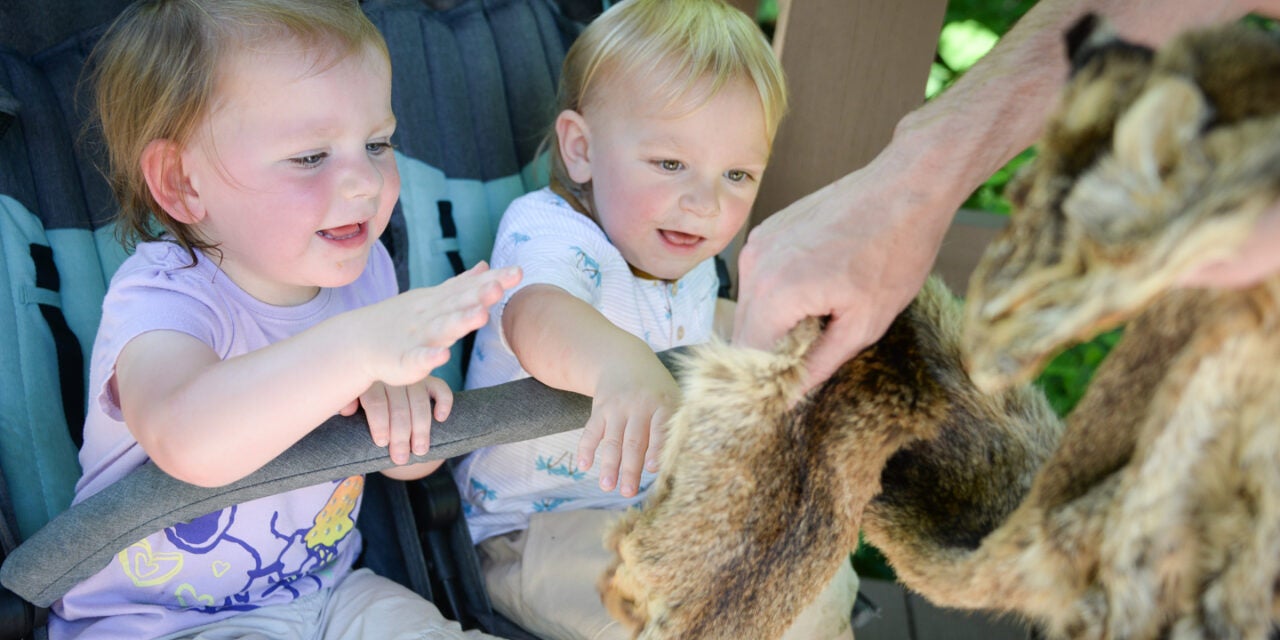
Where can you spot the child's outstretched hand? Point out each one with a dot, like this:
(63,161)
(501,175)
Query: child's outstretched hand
(409,335)
(400,418)
(628,414)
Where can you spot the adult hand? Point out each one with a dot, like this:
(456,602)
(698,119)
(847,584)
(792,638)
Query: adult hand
(856,250)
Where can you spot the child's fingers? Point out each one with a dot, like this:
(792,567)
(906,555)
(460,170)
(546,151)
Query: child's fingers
(350,409)
(509,277)
(635,441)
(400,416)
(657,433)
(421,360)
(442,329)
(609,452)
(419,421)
(589,441)
(441,398)
(375,410)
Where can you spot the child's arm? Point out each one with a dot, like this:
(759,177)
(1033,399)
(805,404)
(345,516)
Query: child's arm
(210,422)
(567,344)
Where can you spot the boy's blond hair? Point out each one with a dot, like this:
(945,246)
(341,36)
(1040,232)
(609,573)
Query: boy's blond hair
(156,70)
(685,49)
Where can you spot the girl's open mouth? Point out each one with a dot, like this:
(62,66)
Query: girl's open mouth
(343,233)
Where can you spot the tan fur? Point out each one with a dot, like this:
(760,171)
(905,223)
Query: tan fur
(757,505)
(1156,513)
(1159,510)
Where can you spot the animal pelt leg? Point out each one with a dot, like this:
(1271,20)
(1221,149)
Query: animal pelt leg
(1036,557)
(757,502)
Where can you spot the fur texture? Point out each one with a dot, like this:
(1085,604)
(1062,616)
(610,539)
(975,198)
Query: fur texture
(758,504)
(1157,516)
(1156,513)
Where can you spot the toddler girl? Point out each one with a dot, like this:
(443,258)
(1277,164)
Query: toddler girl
(249,145)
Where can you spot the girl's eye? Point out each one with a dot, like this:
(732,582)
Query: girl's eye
(311,160)
(737,175)
(670,165)
(378,148)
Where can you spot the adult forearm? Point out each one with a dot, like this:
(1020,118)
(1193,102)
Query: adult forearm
(999,106)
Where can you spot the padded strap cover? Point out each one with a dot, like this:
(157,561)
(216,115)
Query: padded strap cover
(83,539)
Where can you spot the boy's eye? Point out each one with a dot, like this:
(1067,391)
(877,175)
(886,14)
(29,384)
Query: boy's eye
(737,175)
(309,161)
(670,165)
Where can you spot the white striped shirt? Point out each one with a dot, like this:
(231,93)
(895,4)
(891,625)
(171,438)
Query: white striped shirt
(554,244)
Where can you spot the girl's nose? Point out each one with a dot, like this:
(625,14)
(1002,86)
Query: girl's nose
(363,179)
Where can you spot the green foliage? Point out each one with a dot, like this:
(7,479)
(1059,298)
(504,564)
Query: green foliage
(1066,377)
(996,15)
(870,564)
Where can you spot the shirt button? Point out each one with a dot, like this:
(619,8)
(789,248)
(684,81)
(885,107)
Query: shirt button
(679,333)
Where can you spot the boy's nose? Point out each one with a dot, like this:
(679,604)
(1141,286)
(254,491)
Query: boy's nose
(702,200)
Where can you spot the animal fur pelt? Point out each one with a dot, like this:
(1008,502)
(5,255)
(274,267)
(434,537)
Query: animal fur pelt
(1155,514)
(1159,513)
(756,505)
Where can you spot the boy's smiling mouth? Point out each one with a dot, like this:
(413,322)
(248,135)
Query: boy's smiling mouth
(680,238)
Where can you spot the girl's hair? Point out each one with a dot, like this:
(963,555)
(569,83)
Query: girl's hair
(156,70)
(679,47)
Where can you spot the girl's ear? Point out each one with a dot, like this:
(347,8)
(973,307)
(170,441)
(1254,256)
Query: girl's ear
(575,145)
(168,181)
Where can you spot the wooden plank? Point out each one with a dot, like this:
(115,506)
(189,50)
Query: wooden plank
(748,7)
(962,247)
(854,68)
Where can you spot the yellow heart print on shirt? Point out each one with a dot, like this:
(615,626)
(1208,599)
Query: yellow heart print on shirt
(147,568)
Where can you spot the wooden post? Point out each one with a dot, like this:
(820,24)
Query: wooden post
(748,7)
(854,68)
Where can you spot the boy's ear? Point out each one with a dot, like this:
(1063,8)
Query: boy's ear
(575,145)
(168,181)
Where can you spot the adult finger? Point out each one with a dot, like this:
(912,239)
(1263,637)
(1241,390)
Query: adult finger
(842,339)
